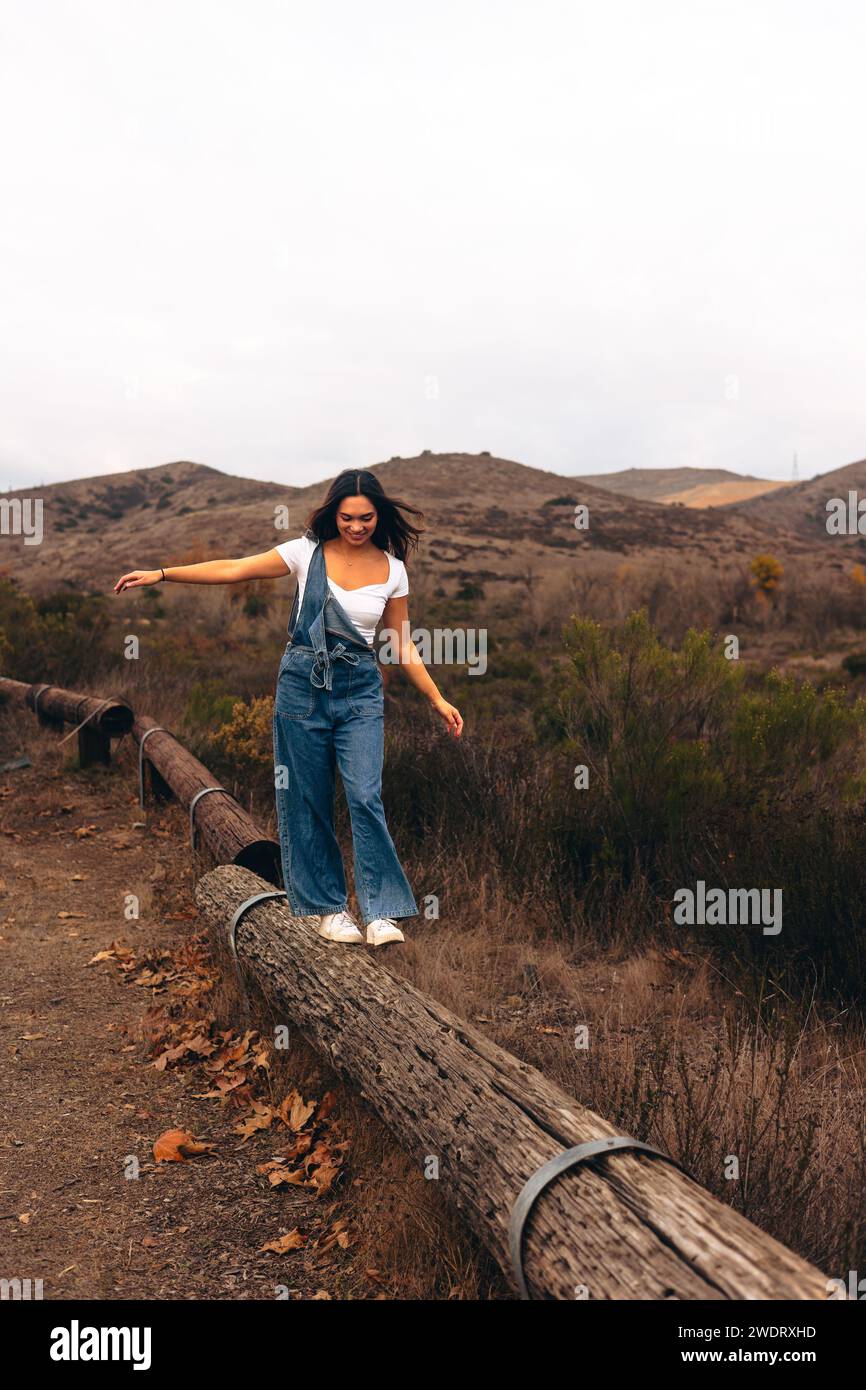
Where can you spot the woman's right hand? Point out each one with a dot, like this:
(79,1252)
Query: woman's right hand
(136,578)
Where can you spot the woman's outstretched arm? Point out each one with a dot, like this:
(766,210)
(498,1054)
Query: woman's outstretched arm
(396,619)
(268,565)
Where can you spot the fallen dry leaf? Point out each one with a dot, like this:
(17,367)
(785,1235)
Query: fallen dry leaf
(337,1235)
(279,1177)
(292,1241)
(261,1118)
(325,1106)
(171,1054)
(114,952)
(297,1147)
(323,1178)
(175,1145)
(295,1111)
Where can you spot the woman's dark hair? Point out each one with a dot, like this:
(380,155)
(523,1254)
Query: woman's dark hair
(393,531)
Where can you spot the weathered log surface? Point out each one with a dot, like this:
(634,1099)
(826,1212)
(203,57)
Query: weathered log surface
(220,822)
(15,692)
(626,1226)
(112,717)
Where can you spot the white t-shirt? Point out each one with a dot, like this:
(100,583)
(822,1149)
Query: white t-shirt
(364,606)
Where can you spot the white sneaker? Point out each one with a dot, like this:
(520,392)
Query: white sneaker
(383,930)
(338,926)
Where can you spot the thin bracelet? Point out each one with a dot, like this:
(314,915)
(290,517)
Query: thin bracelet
(162,572)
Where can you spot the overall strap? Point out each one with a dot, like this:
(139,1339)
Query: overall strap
(315,593)
(293,616)
(324,624)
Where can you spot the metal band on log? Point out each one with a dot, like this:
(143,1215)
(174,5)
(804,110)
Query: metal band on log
(620,1226)
(230,834)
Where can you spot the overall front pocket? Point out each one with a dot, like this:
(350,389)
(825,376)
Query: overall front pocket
(366,693)
(295,693)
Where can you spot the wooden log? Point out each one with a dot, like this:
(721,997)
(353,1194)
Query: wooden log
(95,721)
(13,692)
(625,1226)
(55,705)
(229,832)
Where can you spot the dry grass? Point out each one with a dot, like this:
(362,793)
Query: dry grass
(673,1058)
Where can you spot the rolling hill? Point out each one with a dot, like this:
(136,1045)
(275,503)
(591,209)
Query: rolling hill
(801,508)
(489,520)
(690,487)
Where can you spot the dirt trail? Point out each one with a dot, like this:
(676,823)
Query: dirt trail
(79,1098)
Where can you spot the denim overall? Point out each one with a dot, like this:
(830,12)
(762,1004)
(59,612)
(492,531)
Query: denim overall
(329,712)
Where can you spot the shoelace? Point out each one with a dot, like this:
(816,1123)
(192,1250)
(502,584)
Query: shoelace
(342,919)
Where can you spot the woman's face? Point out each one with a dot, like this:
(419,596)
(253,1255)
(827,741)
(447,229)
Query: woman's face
(356,519)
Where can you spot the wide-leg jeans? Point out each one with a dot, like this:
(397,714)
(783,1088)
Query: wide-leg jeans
(316,731)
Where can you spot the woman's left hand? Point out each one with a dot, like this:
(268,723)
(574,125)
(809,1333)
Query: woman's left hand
(451,715)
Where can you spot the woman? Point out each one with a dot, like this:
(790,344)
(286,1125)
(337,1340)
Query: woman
(329,704)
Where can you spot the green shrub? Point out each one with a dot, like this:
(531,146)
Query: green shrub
(208,706)
(61,638)
(694,773)
(470,590)
(255,606)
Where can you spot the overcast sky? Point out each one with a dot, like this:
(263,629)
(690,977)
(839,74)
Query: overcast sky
(285,238)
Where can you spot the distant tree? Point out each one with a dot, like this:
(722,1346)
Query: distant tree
(766,573)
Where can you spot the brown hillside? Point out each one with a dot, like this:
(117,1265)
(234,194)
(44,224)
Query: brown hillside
(488,520)
(721,494)
(801,507)
(665,484)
